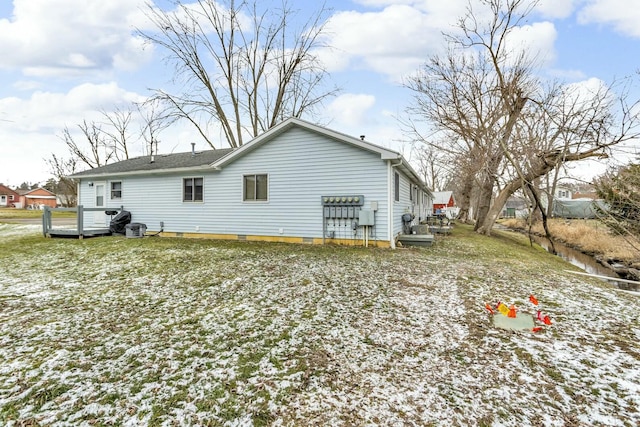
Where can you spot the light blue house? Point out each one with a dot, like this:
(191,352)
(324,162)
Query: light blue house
(298,182)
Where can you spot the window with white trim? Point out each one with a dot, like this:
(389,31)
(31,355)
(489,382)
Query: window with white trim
(116,190)
(255,188)
(192,189)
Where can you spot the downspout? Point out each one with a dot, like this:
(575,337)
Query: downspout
(419,197)
(390,201)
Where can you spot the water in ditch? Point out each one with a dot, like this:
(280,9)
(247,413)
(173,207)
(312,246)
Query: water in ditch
(585,262)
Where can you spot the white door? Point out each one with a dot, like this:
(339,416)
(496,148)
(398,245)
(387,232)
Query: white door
(99,217)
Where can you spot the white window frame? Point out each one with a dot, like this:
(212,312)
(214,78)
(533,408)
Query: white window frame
(255,200)
(193,191)
(111,190)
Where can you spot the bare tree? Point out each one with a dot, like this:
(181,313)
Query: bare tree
(620,190)
(579,126)
(514,130)
(155,118)
(97,144)
(117,132)
(432,166)
(244,65)
(476,92)
(102,142)
(61,169)
(92,149)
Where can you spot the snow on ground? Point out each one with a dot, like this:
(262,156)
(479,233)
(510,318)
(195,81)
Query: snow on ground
(182,332)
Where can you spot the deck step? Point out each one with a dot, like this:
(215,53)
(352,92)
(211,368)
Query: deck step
(416,239)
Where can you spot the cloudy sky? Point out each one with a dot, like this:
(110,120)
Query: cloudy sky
(63,61)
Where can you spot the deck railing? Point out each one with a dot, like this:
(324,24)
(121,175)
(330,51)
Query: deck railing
(47,222)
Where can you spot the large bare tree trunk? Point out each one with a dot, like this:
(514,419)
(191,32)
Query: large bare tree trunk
(464,200)
(486,189)
(539,167)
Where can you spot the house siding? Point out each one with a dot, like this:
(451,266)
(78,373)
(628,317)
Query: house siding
(404,205)
(302,166)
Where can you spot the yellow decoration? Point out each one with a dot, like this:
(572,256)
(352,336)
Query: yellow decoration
(503,309)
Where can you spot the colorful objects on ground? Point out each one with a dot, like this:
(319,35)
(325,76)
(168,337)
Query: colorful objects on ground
(502,308)
(543,318)
(489,309)
(511,313)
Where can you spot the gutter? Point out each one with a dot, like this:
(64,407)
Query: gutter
(204,168)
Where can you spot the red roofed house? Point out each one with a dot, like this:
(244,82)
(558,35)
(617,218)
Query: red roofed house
(444,203)
(8,197)
(35,199)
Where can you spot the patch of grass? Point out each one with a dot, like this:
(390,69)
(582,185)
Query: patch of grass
(12,213)
(110,398)
(553,374)
(10,411)
(525,357)
(46,392)
(239,332)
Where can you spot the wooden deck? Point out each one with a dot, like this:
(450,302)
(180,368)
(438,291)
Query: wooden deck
(73,232)
(49,229)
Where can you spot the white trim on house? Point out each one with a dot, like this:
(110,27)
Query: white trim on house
(191,170)
(193,195)
(253,202)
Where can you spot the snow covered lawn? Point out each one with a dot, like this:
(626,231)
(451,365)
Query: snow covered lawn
(158,331)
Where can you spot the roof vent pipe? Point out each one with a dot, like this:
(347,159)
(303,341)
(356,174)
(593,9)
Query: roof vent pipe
(193,148)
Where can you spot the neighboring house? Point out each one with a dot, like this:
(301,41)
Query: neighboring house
(444,203)
(8,197)
(562,193)
(37,198)
(297,182)
(516,207)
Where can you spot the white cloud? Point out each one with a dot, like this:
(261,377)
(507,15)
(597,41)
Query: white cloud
(350,109)
(536,40)
(30,127)
(44,111)
(393,41)
(397,39)
(585,91)
(621,14)
(53,36)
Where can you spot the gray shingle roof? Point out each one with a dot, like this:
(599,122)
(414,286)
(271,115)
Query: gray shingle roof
(161,162)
